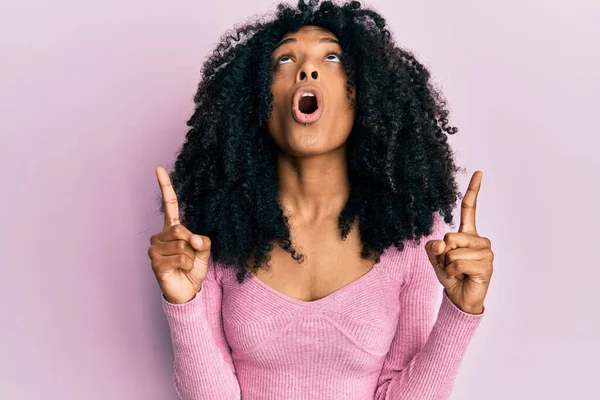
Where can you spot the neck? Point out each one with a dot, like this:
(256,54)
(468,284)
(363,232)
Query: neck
(313,188)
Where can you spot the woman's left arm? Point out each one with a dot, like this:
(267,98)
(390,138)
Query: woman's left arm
(424,356)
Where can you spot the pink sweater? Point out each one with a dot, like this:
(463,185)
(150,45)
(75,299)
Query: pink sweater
(375,338)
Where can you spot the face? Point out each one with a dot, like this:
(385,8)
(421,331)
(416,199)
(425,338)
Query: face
(300,124)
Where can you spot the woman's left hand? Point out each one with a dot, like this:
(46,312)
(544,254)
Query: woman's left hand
(463,260)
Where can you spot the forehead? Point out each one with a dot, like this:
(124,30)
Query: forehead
(309,30)
(308,33)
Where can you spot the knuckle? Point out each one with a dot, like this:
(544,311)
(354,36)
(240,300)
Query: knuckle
(181,259)
(450,258)
(181,245)
(151,252)
(156,266)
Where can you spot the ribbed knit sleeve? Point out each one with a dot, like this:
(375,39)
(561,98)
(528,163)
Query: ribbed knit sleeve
(426,353)
(203,367)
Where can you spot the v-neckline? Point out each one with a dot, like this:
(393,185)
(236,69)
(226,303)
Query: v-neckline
(343,289)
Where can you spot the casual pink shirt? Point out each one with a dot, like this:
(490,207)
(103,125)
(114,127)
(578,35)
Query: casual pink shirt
(375,338)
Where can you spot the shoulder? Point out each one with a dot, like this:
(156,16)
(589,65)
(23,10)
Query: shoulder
(219,272)
(399,264)
(215,271)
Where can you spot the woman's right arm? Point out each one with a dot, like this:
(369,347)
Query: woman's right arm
(203,367)
(191,299)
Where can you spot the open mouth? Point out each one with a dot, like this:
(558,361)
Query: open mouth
(307,104)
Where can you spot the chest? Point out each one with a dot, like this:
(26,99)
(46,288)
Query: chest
(329,263)
(309,306)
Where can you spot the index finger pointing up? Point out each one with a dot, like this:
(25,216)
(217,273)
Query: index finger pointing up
(169,197)
(469,205)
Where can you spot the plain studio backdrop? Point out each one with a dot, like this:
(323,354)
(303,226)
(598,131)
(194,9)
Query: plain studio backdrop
(95,94)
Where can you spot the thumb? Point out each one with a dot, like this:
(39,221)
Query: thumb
(201,244)
(436,252)
(197,242)
(434,248)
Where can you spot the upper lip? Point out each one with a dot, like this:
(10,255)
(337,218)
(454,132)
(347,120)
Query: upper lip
(307,88)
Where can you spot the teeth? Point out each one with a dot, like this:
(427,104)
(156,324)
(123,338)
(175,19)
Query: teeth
(308,94)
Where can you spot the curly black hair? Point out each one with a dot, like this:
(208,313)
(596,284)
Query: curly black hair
(400,166)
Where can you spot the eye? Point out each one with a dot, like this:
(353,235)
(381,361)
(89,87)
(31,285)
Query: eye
(335,53)
(287,55)
(283,56)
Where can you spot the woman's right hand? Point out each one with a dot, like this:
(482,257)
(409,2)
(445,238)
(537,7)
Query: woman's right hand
(179,257)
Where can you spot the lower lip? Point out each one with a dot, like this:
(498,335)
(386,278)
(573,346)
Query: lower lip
(307,118)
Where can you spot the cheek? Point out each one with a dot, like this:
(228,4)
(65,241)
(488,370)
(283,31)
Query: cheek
(342,110)
(342,117)
(279,101)
(279,85)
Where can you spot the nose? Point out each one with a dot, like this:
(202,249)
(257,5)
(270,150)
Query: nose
(307,69)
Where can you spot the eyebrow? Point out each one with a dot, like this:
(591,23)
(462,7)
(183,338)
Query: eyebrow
(326,39)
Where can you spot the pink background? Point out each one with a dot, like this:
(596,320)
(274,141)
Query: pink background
(94,95)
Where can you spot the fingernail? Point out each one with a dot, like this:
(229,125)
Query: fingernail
(198,240)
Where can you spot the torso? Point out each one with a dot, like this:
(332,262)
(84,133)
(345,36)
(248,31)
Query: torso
(330,263)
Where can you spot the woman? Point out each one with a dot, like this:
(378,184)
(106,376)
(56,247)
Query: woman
(315,164)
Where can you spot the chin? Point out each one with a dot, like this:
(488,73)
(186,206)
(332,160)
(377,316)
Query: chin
(298,140)
(307,144)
